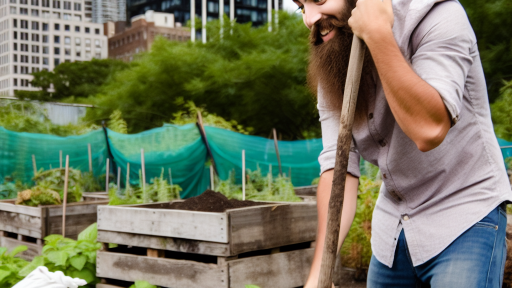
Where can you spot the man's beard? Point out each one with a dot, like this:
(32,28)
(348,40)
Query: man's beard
(328,64)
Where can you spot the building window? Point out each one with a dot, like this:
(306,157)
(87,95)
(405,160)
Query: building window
(23,24)
(24,59)
(97,43)
(35,37)
(78,7)
(35,25)
(35,12)
(77,41)
(45,61)
(56,15)
(78,18)
(56,50)
(15,80)
(46,50)
(88,42)
(45,3)
(97,31)
(67,51)
(15,35)
(77,53)
(35,60)
(66,16)
(67,40)
(46,14)
(13,10)
(12,1)
(35,49)
(24,47)
(66,28)
(24,2)
(87,30)
(56,4)
(45,38)
(15,23)
(35,2)
(67,5)
(56,26)
(56,39)
(56,61)
(15,58)
(15,46)
(97,55)
(24,36)
(77,28)
(23,11)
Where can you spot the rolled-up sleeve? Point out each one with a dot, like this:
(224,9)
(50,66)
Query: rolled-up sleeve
(330,121)
(443,56)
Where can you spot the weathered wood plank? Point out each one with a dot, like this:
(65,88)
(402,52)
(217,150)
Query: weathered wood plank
(280,270)
(21,224)
(306,190)
(164,222)
(164,243)
(264,227)
(99,285)
(33,248)
(9,206)
(76,208)
(160,271)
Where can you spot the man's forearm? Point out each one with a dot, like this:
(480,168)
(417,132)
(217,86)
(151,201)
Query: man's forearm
(417,107)
(347,217)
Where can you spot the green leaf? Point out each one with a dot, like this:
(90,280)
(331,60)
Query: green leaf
(4,274)
(52,238)
(90,233)
(2,250)
(58,257)
(78,261)
(142,284)
(36,262)
(84,274)
(112,245)
(251,286)
(18,249)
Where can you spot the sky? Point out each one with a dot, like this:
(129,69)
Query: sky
(288,5)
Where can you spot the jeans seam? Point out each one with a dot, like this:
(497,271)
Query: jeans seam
(492,256)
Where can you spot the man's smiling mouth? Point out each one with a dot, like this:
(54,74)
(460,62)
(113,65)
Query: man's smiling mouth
(327,34)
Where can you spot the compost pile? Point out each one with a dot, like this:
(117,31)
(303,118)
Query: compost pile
(211,201)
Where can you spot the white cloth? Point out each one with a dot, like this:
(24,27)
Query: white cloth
(42,278)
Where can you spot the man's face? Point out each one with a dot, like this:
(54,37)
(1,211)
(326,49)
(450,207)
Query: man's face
(322,17)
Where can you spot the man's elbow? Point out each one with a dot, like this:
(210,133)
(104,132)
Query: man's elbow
(433,138)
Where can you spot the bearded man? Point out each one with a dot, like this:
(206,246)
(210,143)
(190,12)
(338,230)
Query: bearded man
(423,118)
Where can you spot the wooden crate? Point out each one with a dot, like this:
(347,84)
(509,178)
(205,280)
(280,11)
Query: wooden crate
(24,225)
(267,245)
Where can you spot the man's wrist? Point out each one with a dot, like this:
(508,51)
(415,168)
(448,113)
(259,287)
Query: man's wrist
(378,36)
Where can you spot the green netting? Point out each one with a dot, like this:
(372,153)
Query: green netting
(16,150)
(177,147)
(298,158)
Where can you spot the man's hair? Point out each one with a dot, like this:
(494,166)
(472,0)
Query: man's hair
(328,63)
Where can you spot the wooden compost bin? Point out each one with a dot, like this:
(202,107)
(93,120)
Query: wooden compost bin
(25,225)
(267,245)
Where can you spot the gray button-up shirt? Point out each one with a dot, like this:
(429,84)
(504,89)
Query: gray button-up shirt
(433,196)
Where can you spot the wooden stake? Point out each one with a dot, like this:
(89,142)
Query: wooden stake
(106,175)
(90,157)
(34,166)
(269,177)
(170,176)
(60,158)
(127,175)
(212,187)
(142,165)
(277,152)
(355,67)
(118,178)
(243,174)
(64,203)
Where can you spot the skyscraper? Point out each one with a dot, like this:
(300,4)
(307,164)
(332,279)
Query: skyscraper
(108,10)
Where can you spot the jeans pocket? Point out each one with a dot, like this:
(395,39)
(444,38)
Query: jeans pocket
(486,225)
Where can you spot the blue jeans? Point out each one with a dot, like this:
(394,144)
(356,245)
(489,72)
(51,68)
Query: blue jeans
(476,259)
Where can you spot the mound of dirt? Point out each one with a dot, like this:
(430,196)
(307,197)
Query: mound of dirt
(211,201)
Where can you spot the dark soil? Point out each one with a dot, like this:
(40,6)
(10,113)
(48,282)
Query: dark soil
(211,201)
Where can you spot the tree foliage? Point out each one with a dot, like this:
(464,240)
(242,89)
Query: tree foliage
(491,21)
(251,76)
(502,112)
(77,79)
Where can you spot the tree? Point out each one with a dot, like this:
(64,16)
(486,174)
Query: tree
(501,113)
(252,76)
(491,21)
(78,79)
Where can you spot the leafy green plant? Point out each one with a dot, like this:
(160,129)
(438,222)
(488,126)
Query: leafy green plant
(10,265)
(54,179)
(142,284)
(73,258)
(258,187)
(38,196)
(116,122)
(501,111)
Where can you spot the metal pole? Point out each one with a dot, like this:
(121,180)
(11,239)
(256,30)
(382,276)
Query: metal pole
(276,11)
(106,175)
(277,151)
(212,183)
(64,203)
(269,15)
(203,19)
(193,20)
(221,18)
(143,167)
(90,157)
(231,13)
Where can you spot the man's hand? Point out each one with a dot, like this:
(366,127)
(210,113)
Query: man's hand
(370,17)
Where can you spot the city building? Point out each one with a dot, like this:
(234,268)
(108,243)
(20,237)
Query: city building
(108,10)
(125,42)
(254,11)
(41,34)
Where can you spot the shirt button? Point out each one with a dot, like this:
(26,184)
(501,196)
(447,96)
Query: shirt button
(405,217)
(384,175)
(382,143)
(370,116)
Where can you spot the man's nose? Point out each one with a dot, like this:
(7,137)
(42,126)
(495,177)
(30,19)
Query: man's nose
(312,15)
